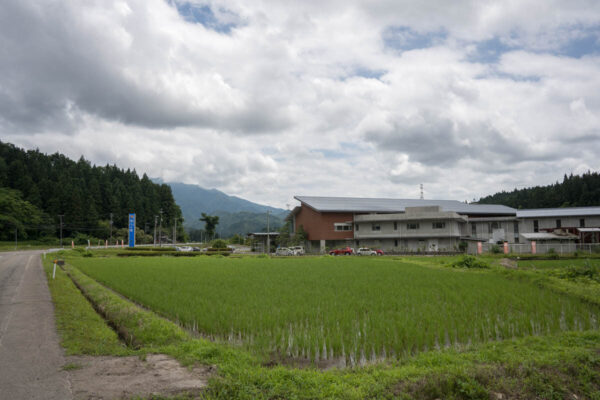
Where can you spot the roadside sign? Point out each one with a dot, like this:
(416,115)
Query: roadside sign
(131,230)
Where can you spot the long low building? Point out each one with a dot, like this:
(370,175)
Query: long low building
(407,225)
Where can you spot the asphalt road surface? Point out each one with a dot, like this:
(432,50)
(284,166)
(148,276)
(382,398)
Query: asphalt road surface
(31,359)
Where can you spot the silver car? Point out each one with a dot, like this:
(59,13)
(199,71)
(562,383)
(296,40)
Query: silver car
(284,251)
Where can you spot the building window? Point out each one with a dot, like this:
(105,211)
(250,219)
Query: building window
(340,227)
(582,223)
(495,225)
(536,227)
(395,226)
(356,227)
(558,224)
(438,225)
(395,242)
(516,228)
(473,229)
(375,227)
(412,226)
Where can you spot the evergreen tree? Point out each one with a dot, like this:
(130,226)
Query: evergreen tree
(85,194)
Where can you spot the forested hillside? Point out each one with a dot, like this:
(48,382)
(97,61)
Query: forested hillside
(85,195)
(573,191)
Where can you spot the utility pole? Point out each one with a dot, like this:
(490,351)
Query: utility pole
(175,231)
(160,229)
(111,224)
(155,219)
(268,236)
(61,226)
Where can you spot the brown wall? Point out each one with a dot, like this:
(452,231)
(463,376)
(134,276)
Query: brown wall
(319,226)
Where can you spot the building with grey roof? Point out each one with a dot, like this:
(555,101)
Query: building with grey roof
(405,225)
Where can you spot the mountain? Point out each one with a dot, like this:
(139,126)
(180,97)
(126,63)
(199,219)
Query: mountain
(573,191)
(236,215)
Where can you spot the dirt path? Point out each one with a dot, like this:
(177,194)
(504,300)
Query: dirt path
(31,359)
(125,377)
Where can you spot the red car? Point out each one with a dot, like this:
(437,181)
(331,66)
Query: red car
(379,252)
(345,251)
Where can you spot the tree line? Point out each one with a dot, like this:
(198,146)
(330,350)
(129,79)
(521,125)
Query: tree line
(574,191)
(85,197)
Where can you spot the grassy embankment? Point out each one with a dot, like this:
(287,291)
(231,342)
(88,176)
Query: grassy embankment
(547,366)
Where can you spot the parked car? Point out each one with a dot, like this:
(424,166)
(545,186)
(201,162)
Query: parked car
(183,248)
(379,252)
(365,251)
(284,251)
(347,251)
(298,250)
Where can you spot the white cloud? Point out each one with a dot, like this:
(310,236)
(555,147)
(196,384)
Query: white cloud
(307,98)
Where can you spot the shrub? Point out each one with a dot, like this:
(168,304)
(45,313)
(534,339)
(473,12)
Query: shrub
(469,262)
(219,244)
(495,249)
(586,271)
(462,246)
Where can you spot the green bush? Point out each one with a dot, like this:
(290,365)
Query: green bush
(469,262)
(168,248)
(586,271)
(495,249)
(219,244)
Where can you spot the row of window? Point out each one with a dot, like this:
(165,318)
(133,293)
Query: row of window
(409,226)
(340,227)
(491,227)
(536,225)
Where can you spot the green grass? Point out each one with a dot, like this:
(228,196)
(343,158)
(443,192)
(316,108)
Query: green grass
(356,309)
(81,329)
(553,264)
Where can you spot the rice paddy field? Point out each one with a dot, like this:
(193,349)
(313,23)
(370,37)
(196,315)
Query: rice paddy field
(350,309)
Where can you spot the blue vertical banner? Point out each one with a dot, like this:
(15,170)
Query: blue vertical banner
(131,230)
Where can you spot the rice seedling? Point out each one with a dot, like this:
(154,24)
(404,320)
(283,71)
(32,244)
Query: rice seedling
(359,310)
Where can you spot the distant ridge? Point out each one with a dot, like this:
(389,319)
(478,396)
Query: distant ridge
(237,215)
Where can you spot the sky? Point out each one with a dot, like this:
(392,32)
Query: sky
(270,99)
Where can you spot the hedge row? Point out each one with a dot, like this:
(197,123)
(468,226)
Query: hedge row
(172,253)
(160,249)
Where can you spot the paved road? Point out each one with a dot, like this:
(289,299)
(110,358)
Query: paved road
(31,359)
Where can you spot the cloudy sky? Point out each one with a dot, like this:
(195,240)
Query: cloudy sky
(270,99)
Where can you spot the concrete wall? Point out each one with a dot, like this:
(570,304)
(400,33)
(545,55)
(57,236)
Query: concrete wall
(550,223)
(485,230)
